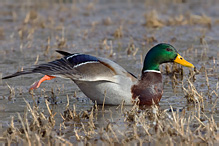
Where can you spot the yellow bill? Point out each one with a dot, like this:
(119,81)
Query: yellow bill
(179,59)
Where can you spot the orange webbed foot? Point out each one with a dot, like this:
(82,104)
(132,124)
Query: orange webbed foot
(37,84)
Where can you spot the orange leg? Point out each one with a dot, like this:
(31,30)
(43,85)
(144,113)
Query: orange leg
(37,84)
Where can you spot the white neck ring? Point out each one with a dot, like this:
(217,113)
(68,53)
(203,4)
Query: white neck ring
(152,71)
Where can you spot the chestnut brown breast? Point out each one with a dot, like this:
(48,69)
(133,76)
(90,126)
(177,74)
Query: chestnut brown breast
(149,88)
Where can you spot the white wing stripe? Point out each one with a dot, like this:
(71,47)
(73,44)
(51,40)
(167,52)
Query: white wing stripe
(72,56)
(85,63)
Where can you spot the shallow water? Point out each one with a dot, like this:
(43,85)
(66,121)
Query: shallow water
(30,30)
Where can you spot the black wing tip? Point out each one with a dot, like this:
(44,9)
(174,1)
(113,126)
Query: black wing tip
(16,74)
(7,77)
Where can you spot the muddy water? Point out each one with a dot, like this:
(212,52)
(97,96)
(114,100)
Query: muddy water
(30,32)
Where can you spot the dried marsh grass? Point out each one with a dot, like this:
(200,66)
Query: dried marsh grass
(138,125)
(153,20)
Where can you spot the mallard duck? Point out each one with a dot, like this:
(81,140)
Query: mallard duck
(103,80)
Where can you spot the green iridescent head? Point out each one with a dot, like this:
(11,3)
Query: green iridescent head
(163,53)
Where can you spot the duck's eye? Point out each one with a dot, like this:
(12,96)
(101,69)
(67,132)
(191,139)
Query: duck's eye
(168,49)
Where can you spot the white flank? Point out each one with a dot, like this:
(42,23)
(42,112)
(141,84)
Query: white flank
(85,63)
(152,71)
(72,56)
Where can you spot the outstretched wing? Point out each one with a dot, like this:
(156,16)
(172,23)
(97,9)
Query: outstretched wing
(77,67)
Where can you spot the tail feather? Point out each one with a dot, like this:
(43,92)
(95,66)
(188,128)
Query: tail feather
(63,53)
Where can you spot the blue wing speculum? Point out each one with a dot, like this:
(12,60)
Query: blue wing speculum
(80,59)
